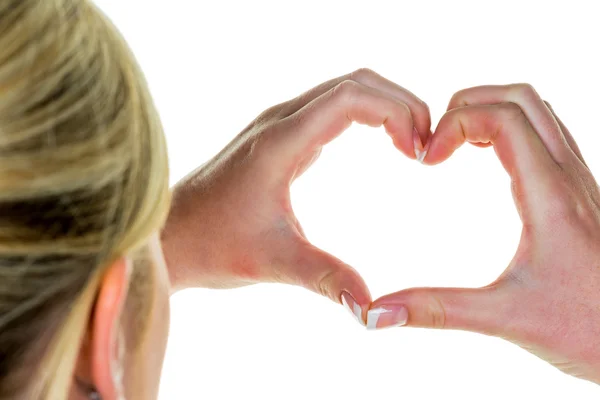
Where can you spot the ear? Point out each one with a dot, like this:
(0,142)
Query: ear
(107,339)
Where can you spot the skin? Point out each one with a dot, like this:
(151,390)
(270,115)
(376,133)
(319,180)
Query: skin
(105,361)
(546,301)
(231,224)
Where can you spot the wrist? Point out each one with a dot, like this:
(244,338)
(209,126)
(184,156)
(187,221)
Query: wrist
(185,250)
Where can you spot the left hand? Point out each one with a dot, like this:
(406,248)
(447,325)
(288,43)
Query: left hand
(231,222)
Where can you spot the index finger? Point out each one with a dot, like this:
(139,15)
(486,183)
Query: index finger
(329,115)
(505,126)
(537,112)
(418,108)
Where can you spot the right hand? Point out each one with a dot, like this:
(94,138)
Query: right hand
(548,299)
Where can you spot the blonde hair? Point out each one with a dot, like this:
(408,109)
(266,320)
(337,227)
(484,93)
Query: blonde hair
(83,181)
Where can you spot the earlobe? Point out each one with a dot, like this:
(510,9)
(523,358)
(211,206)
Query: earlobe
(107,336)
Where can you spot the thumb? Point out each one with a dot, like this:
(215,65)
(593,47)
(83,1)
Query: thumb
(320,272)
(479,310)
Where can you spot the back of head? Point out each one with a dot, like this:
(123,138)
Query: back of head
(83,180)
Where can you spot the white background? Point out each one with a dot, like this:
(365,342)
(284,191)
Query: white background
(215,65)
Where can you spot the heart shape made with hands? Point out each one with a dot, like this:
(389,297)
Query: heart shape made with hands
(245,196)
(512,118)
(251,229)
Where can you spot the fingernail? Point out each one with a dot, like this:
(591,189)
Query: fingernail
(419,151)
(424,153)
(387,317)
(353,307)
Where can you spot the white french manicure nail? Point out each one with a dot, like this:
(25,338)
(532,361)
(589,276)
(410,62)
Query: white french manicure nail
(423,154)
(418,145)
(352,306)
(373,317)
(381,317)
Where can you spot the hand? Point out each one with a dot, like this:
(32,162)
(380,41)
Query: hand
(231,222)
(548,299)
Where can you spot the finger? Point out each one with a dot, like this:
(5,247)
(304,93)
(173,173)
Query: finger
(526,97)
(324,274)
(479,310)
(329,115)
(419,110)
(505,126)
(570,139)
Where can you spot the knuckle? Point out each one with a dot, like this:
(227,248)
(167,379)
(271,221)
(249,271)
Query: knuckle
(270,114)
(403,108)
(345,90)
(362,73)
(436,313)
(297,121)
(256,142)
(262,145)
(563,202)
(457,99)
(585,212)
(511,111)
(525,91)
(571,202)
(323,286)
(425,106)
(563,214)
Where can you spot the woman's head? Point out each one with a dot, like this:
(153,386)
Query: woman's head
(83,191)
